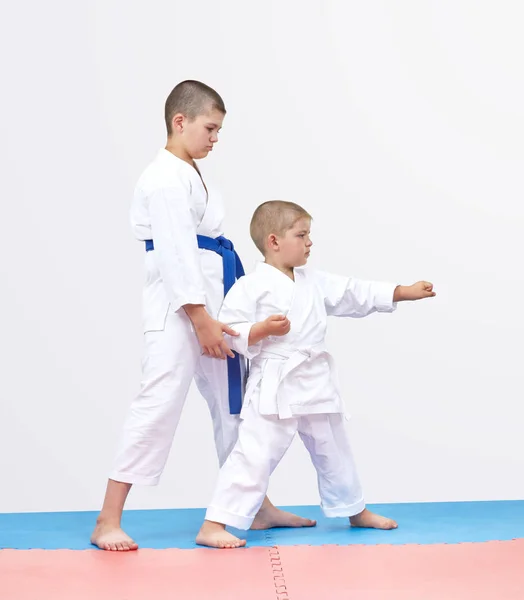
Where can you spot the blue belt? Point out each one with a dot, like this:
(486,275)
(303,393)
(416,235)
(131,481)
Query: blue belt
(233,270)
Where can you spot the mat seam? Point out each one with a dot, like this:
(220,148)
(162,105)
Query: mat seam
(270,541)
(277,570)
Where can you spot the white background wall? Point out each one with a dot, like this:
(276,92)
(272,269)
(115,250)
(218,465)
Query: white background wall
(398,125)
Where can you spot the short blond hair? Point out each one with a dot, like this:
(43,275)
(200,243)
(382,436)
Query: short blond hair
(192,99)
(274,217)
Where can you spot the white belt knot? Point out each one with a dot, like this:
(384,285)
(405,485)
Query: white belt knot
(282,360)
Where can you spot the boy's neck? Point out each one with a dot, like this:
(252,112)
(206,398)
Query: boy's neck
(284,269)
(174,146)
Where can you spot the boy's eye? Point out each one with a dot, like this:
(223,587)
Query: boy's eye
(210,129)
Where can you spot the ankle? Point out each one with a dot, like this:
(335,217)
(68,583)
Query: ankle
(107,521)
(214,525)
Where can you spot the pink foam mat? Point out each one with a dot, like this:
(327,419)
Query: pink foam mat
(142,575)
(476,571)
(472,571)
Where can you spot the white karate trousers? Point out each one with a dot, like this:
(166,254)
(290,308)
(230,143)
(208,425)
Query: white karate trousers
(262,442)
(171,359)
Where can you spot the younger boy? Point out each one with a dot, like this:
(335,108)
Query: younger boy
(280,315)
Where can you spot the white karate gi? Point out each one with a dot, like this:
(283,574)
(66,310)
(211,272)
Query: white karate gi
(292,387)
(171,206)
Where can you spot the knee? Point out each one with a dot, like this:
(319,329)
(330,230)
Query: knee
(256,466)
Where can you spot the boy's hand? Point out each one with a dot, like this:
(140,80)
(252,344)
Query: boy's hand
(417,291)
(277,325)
(273,325)
(210,334)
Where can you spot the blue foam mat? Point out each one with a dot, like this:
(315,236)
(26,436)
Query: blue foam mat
(419,523)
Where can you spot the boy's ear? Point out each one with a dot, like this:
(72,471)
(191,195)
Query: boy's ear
(272,241)
(178,122)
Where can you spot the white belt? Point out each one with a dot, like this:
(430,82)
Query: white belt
(281,361)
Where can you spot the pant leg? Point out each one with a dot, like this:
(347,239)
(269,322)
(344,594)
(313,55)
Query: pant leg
(211,373)
(327,441)
(168,367)
(212,383)
(244,478)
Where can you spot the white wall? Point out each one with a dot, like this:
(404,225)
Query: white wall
(398,125)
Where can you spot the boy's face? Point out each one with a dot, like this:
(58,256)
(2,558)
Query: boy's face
(201,134)
(295,244)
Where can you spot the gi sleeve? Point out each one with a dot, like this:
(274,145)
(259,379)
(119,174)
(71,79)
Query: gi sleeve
(239,312)
(176,248)
(350,297)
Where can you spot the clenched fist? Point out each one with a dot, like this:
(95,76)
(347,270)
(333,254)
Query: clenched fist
(277,325)
(417,291)
(273,325)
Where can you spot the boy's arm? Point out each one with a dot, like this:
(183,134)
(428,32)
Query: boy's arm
(176,252)
(176,248)
(239,311)
(351,297)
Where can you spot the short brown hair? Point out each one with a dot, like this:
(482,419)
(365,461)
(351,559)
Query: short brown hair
(191,98)
(275,216)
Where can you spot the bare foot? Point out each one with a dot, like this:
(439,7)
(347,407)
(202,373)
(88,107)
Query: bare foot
(112,537)
(371,520)
(270,516)
(215,535)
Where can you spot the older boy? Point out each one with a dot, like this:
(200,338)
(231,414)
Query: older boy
(187,264)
